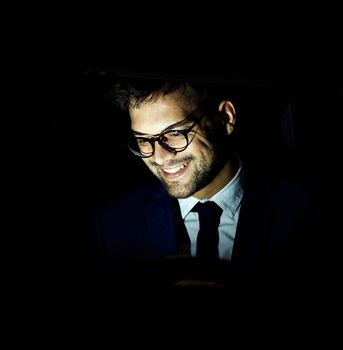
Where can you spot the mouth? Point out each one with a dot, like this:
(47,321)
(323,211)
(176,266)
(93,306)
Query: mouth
(175,172)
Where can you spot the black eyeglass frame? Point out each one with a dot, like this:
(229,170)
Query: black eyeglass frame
(159,139)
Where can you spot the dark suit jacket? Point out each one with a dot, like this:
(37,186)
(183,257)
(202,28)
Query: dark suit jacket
(274,273)
(277,229)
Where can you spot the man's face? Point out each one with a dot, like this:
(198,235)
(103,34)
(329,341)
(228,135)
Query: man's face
(198,170)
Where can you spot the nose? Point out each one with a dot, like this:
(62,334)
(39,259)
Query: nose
(162,155)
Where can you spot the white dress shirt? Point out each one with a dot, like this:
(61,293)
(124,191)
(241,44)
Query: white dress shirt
(229,199)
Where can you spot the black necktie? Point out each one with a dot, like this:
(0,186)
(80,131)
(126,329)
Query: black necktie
(208,237)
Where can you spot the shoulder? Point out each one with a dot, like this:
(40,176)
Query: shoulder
(133,212)
(134,198)
(276,186)
(285,206)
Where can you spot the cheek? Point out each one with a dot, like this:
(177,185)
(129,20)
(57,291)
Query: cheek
(200,145)
(149,163)
(204,153)
(146,162)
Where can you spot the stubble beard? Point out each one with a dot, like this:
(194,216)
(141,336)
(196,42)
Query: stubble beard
(203,173)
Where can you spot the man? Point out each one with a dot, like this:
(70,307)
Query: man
(184,133)
(268,272)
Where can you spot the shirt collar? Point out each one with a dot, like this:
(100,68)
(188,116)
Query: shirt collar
(228,198)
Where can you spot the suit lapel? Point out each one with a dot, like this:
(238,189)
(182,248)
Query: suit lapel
(251,241)
(159,218)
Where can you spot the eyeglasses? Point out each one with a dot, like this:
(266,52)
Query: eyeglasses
(173,141)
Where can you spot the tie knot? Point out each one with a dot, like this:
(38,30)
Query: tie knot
(209,218)
(209,209)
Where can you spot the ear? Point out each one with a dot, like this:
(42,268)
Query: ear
(227,110)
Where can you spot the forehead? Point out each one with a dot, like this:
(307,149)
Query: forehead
(153,116)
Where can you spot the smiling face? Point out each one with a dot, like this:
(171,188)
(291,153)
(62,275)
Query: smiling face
(200,170)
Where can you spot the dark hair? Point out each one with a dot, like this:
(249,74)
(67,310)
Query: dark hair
(129,91)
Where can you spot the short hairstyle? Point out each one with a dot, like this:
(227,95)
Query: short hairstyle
(132,91)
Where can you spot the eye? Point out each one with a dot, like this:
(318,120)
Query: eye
(174,134)
(142,142)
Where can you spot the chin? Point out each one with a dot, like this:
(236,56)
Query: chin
(178,191)
(177,194)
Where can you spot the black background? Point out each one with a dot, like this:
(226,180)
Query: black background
(62,141)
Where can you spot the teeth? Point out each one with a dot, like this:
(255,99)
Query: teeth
(174,170)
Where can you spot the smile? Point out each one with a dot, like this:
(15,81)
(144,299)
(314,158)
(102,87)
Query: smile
(173,172)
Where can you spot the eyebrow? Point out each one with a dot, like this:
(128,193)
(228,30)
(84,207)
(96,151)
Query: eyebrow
(170,127)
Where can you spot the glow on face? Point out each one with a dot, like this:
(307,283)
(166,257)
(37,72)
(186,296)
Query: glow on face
(183,173)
